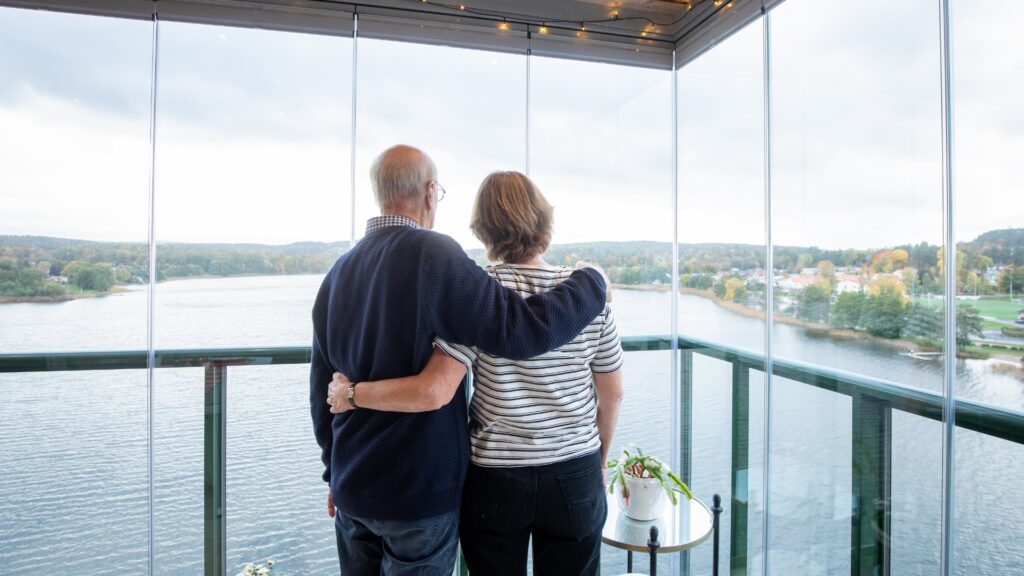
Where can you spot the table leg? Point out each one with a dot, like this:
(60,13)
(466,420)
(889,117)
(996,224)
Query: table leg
(629,561)
(654,545)
(716,509)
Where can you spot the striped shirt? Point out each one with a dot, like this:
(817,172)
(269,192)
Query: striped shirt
(542,410)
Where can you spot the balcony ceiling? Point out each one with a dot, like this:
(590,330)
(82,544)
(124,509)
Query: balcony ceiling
(634,32)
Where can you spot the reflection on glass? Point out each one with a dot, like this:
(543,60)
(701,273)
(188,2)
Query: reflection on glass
(857,232)
(722,277)
(252,172)
(74,150)
(988,136)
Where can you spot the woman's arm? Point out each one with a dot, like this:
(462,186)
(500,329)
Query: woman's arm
(609,398)
(429,390)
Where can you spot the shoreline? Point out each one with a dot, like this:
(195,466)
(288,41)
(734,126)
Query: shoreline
(817,330)
(119,289)
(122,288)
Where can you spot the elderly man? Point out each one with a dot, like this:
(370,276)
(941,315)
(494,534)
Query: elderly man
(397,478)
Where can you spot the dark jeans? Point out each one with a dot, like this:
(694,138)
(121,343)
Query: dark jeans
(561,505)
(373,547)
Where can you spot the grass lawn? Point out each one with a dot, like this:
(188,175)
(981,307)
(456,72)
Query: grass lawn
(1001,309)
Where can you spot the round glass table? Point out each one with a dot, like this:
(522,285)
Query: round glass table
(679,527)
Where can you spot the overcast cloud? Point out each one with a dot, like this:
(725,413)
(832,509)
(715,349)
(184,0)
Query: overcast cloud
(254,130)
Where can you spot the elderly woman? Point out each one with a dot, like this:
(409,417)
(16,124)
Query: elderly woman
(540,428)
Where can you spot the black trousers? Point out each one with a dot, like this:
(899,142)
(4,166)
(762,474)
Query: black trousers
(561,505)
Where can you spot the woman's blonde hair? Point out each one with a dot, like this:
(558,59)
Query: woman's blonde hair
(511,217)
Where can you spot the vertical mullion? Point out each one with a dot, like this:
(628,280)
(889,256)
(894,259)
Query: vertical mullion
(686,433)
(740,467)
(769,294)
(352,144)
(151,295)
(949,399)
(214,470)
(872,486)
(677,458)
(529,53)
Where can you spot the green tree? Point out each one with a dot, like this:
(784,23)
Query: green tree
(848,309)
(923,322)
(884,314)
(719,287)
(97,277)
(813,304)
(968,322)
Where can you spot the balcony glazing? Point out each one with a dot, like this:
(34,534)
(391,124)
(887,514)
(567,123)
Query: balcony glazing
(796,167)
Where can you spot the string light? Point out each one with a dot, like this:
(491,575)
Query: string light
(614,16)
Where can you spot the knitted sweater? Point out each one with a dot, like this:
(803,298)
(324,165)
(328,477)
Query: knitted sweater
(375,317)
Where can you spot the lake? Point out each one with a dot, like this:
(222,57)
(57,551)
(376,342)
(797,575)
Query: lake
(74,491)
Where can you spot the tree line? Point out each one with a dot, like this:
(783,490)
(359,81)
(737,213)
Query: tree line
(32,266)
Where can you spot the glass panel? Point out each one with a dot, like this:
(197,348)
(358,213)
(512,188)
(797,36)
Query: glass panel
(600,149)
(178,470)
(252,170)
(722,274)
(988,133)
(857,229)
(465,108)
(916,482)
(74,169)
(253,149)
(270,452)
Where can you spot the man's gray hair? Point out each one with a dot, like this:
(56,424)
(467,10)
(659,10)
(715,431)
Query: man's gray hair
(399,174)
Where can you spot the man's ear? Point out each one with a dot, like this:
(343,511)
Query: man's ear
(429,200)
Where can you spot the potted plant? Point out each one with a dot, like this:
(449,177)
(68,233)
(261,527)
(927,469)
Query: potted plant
(644,483)
(257,569)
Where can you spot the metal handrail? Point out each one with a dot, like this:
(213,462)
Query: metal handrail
(990,420)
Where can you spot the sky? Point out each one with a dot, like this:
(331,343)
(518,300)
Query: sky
(254,130)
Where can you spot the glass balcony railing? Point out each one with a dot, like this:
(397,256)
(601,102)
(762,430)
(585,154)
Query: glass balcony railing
(874,402)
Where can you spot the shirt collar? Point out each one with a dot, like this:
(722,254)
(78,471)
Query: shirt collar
(389,220)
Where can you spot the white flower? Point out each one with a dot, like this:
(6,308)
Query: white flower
(263,571)
(271,562)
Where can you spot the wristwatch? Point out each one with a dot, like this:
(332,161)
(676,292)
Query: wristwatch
(352,395)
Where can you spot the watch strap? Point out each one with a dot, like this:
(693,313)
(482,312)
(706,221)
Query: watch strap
(352,395)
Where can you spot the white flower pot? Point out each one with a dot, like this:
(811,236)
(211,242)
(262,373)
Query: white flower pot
(646,498)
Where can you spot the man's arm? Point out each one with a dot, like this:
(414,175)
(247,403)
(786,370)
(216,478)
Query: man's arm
(429,390)
(319,377)
(472,308)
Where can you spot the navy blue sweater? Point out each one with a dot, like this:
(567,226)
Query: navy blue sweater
(375,317)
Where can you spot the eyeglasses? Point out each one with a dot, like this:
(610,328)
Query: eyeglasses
(439,189)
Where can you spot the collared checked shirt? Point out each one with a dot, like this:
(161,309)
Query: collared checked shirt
(389,220)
